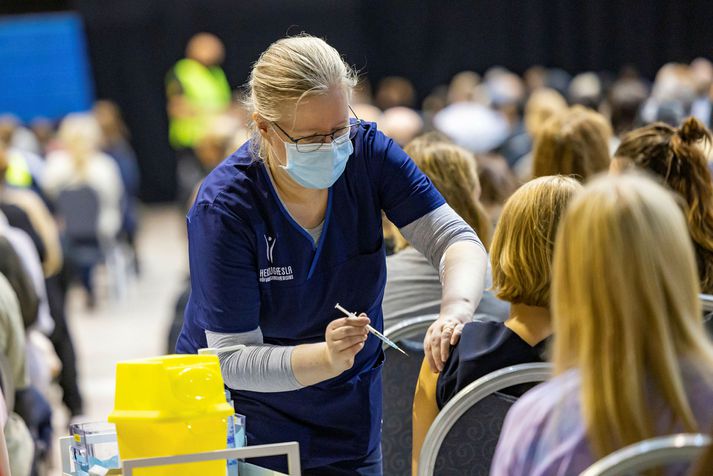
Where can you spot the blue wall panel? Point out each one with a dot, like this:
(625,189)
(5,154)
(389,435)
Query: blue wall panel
(44,67)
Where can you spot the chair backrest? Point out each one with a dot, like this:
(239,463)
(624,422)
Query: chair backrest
(399,379)
(79,210)
(7,382)
(706,302)
(707,307)
(463,437)
(409,328)
(651,454)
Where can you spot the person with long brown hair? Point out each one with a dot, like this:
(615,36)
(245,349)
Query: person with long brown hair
(413,286)
(632,359)
(453,171)
(677,157)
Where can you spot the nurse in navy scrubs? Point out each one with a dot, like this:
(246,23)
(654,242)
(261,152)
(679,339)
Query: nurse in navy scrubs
(290,225)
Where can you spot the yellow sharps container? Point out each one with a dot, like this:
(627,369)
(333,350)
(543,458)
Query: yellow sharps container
(171,405)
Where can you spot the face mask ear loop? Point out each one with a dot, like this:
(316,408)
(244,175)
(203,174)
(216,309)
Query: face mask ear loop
(287,157)
(272,127)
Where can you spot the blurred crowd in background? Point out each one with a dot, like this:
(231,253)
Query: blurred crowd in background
(68,203)
(495,114)
(69,190)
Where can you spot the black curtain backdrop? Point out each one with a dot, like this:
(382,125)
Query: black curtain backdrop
(133,43)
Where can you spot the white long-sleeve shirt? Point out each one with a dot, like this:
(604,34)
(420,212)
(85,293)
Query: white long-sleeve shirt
(101,174)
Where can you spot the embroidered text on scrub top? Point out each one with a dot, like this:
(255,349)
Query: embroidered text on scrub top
(274,273)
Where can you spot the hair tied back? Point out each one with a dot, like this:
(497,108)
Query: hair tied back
(692,131)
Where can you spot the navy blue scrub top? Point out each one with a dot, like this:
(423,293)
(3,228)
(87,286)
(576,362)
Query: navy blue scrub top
(252,265)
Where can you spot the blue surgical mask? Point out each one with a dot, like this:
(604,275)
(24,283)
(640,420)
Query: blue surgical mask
(320,168)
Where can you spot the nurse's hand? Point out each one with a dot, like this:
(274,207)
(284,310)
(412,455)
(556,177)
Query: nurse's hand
(442,334)
(345,338)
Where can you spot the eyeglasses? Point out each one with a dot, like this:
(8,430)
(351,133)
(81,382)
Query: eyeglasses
(315,141)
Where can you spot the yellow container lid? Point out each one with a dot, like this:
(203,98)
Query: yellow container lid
(169,388)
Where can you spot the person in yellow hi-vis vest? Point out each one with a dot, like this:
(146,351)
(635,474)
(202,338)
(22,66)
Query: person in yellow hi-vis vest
(197,90)
(197,93)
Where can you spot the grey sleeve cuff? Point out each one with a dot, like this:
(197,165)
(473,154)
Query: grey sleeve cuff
(434,232)
(257,368)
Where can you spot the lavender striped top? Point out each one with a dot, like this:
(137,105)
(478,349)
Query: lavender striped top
(544,432)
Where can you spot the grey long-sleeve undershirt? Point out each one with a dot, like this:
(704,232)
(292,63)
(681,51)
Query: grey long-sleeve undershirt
(261,367)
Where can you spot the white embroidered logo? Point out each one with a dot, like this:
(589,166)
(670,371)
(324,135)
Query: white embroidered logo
(270,243)
(274,273)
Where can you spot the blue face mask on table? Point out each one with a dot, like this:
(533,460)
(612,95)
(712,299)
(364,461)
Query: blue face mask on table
(320,168)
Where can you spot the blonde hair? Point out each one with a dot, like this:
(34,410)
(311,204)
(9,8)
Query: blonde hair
(542,104)
(625,308)
(676,156)
(453,172)
(81,136)
(522,247)
(290,70)
(573,142)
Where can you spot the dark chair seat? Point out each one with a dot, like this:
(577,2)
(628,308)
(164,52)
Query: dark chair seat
(469,446)
(78,208)
(399,378)
(464,435)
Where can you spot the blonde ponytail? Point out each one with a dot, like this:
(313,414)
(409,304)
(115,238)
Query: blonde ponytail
(287,72)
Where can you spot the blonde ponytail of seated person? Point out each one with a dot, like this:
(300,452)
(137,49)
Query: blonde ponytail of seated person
(625,309)
(81,136)
(290,70)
